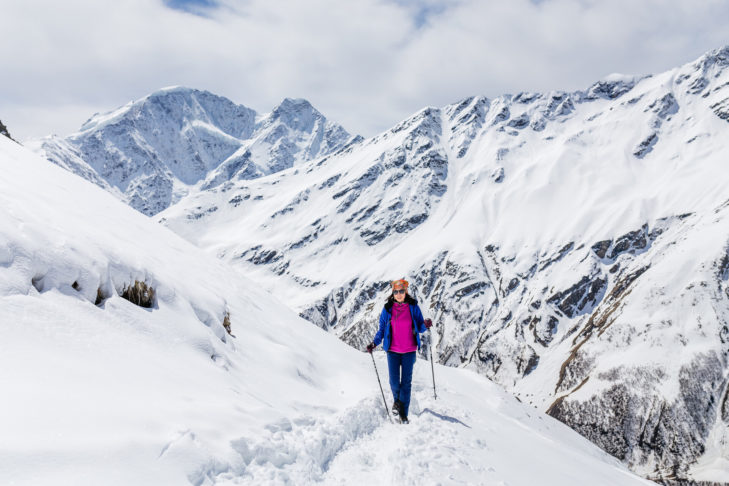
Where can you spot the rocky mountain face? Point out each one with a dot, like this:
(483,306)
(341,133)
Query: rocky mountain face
(177,140)
(4,130)
(571,246)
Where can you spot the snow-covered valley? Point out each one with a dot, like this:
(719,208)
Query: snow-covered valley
(104,386)
(571,246)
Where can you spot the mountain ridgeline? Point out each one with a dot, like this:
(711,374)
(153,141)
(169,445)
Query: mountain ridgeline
(154,150)
(571,246)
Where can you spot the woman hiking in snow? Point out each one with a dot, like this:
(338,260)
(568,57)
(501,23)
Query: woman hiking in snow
(401,323)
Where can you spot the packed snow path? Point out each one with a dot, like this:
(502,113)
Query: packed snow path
(474,433)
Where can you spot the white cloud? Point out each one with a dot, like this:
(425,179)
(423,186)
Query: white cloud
(364,63)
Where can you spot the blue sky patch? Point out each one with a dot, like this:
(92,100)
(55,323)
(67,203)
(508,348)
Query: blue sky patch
(197,7)
(423,10)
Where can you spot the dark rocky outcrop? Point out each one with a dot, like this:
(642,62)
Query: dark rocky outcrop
(581,297)
(4,131)
(636,426)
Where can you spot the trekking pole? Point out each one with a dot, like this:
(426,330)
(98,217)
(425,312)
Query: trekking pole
(432,370)
(380,383)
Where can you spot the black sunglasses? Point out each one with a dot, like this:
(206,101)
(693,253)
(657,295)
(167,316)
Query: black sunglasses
(401,291)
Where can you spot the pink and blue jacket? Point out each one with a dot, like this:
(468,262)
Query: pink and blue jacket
(385,331)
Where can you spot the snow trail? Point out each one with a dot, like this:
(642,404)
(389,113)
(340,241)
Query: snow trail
(448,441)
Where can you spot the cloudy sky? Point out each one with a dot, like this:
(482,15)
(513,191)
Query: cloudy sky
(366,64)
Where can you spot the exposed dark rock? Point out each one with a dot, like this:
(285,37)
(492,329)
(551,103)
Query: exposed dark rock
(600,427)
(259,256)
(646,146)
(457,110)
(559,256)
(4,131)
(328,313)
(425,123)
(721,109)
(527,362)
(329,182)
(601,247)
(698,85)
(633,241)
(363,213)
(626,423)
(200,212)
(688,482)
(526,98)
(240,167)
(665,106)
(520,122)
(308,238)
(543,330)
(469,117)
(355,189)
(581,297)
(560,104)
(626,282)
(609,89)
(471,290)
(238,199)
(489,359)
(723,270)
(725,404)
(502,115)
(290,207)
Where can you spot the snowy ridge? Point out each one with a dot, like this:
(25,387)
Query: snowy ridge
(558,239)
(98,390)
(156,149)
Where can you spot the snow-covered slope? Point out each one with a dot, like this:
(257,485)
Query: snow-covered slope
(572,246)
(154,150)
(99,390)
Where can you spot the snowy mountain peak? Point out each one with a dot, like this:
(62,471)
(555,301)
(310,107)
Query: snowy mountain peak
(181,106)
(612,87)
(718,57)
(426,123)
(297,114)
(177,140)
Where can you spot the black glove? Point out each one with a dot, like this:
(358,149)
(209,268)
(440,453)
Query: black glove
(428,323)
(370,347)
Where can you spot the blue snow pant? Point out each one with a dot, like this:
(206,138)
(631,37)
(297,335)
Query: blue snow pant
(400,384)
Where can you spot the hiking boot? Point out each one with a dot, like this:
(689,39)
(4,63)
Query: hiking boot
(403,417)
(396,408)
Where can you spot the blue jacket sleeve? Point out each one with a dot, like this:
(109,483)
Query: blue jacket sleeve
(418,319)
(381,331)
